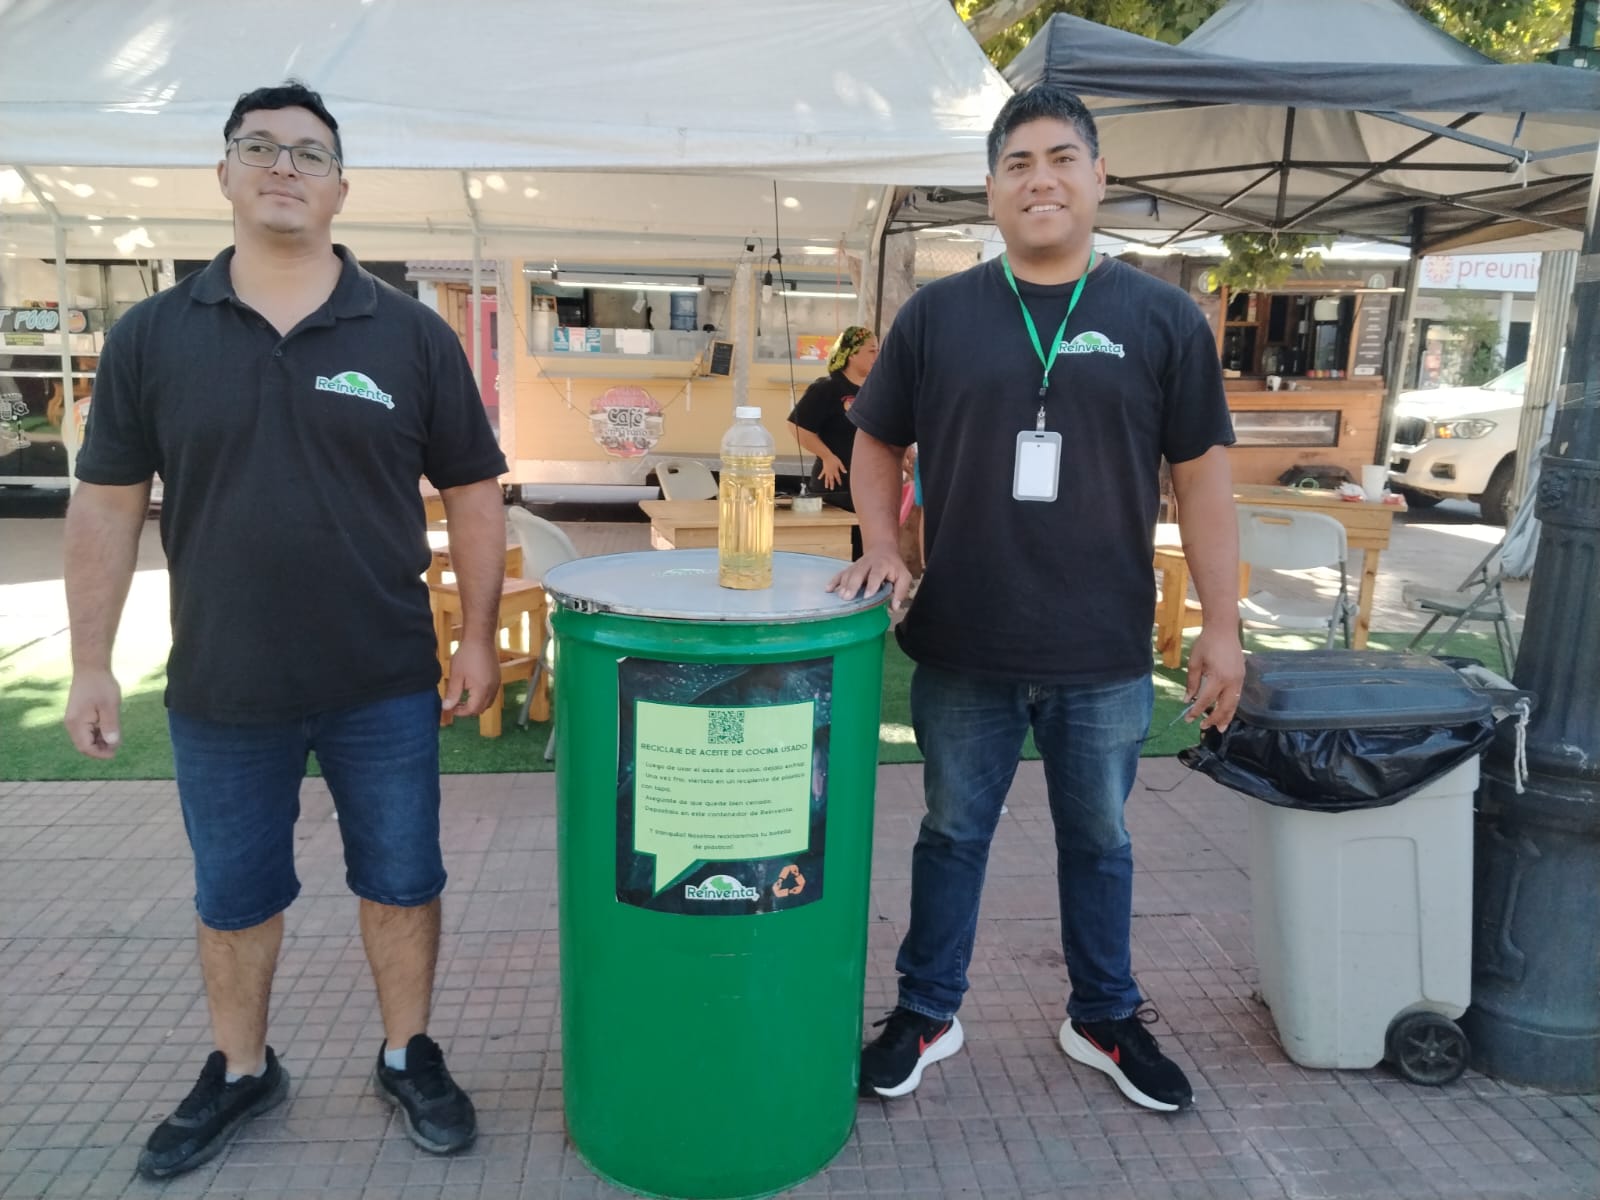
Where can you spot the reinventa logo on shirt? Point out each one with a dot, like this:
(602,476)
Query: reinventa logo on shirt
(1090,342)
(354,383)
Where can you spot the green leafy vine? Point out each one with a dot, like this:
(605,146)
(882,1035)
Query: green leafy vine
(1257,261)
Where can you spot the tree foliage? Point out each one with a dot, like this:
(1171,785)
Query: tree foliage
(1474,356)
(1508,30)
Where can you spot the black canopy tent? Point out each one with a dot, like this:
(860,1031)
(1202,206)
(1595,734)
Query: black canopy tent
(1344,118)
(1351,118)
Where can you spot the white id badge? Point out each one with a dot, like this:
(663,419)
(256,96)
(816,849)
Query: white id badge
(1038,469)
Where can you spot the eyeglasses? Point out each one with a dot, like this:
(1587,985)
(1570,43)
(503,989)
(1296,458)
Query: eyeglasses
(259,152)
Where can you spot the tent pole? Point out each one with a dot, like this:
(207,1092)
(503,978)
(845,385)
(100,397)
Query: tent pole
(1286,165)
(476,324)
(891,201)
(1547,343)
(742,306)
(1402,335)
(477,313)
(69,411)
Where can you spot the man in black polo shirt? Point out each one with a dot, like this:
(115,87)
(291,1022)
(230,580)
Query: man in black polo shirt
(291,404)
(1043,390)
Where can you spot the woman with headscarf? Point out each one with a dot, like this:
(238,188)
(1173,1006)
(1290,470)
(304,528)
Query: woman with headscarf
(820,421)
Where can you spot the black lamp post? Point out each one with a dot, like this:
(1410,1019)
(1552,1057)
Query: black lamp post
(1535,1015)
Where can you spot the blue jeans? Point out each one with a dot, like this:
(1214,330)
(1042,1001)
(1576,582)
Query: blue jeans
(971,731)
(239,786)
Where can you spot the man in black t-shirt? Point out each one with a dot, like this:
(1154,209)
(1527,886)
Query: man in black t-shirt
(1042,390)
(291,404)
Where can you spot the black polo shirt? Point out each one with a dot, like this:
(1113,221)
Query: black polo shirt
(290,513)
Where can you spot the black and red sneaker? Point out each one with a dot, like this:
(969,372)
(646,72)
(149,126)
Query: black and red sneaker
(1126,1051)
(893,1064)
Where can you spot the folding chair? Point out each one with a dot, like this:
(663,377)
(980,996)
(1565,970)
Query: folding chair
(1294,540)
(544,545)
(685,479)
(1478,597)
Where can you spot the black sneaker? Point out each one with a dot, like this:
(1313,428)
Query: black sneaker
(1127,1052)
(210,1115)
(892,1065)
(439,1115)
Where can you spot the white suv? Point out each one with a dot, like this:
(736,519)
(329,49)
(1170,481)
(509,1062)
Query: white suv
(1459,443)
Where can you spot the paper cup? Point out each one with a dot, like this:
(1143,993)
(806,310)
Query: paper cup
(1373,480)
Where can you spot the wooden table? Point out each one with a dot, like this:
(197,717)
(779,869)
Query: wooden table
(692,525)
(1367,524)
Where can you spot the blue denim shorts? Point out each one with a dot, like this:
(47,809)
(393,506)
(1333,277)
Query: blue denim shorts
(239,786)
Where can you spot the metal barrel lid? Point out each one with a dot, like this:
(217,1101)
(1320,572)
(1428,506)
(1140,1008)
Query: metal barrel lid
(681,585)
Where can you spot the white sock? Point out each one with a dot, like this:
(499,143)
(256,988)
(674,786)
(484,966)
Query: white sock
(395,1060)
(235,1076)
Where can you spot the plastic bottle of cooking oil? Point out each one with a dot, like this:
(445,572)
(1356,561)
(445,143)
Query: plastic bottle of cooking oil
(744,503)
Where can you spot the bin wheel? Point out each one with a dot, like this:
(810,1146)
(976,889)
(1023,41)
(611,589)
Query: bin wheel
(1427,1048)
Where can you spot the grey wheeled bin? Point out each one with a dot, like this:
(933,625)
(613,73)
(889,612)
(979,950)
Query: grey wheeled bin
(1365,764)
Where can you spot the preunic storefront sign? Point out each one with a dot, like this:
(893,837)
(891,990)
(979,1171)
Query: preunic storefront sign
(1481,272)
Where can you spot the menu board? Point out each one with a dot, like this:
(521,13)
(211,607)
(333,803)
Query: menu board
(1371,335)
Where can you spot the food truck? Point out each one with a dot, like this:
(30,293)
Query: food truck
(597,371)
(601,371)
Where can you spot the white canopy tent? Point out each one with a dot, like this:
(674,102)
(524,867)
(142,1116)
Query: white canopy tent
(646,130)
(602,131)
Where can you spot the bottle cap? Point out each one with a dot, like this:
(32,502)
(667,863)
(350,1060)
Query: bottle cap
(747,412)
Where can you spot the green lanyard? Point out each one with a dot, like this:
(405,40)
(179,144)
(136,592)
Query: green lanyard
(1033,331)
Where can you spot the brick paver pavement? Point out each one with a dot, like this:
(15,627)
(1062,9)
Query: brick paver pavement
(103,1026)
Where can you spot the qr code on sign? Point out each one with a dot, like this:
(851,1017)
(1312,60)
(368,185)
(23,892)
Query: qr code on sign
(725,726)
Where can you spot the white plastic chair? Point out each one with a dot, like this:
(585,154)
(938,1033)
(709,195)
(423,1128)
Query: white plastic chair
(1292,540)
(686,479)
(544,545)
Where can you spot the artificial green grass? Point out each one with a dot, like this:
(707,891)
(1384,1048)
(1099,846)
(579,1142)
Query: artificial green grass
(33,695)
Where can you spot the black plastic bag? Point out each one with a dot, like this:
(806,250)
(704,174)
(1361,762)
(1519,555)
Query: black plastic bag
(1334,770)
(1327,476)
(1335,730)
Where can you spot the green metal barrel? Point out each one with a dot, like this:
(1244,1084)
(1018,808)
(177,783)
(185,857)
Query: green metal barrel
(716,752)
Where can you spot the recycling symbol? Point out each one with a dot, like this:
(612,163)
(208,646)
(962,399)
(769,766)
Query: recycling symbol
(790,882)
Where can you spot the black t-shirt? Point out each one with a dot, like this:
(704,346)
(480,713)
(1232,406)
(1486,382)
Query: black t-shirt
(291,513)
(1058,591)
(823,410)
